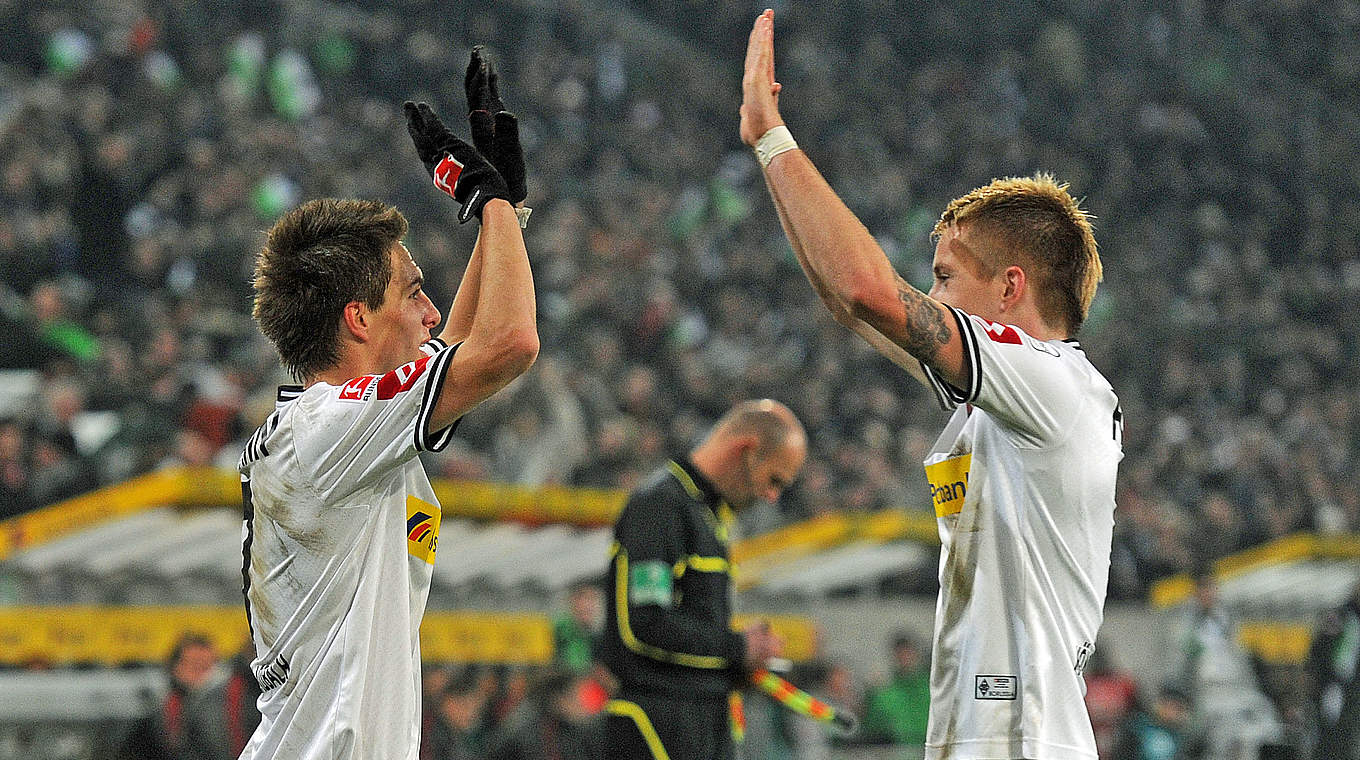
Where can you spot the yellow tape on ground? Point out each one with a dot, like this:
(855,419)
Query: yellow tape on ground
(118,635)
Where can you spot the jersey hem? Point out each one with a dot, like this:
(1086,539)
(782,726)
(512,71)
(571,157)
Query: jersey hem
(992,749)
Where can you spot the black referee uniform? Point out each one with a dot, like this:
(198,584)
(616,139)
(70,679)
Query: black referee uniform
(668,636)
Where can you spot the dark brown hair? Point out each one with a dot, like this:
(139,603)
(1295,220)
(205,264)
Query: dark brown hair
(316,259)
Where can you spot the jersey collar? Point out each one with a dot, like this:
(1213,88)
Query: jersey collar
(287,393)
(699,487)
(703,491)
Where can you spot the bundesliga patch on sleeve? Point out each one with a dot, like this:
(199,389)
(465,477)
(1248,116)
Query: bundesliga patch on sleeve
(994,687)
(650,583)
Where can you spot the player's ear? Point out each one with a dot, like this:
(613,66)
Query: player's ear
(746,443)
(1015,285)
(355,320)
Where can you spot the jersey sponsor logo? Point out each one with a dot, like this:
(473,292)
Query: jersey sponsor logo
(446,173)
(386,386)
(949,483)
(1000,333)
(422,529)
(357,388)
(401,379)
(273,674)
(994,687)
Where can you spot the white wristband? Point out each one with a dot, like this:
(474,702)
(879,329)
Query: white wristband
(777,140)
(522,214)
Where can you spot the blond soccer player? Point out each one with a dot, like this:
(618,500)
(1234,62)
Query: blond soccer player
(1023,475)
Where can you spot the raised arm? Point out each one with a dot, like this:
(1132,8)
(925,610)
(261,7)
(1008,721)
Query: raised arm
(873,337)
(495,135)
(502,341)
(842,260)
(496,298)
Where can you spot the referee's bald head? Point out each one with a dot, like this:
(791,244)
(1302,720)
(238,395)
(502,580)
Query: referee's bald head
(773,425)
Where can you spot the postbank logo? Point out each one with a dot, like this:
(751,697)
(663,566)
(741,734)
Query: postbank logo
(422,528)
(949,483)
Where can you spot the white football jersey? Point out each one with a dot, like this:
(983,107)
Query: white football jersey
(339,543)
(1022,480)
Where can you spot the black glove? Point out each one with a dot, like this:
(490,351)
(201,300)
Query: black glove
(495,131)
(456,167)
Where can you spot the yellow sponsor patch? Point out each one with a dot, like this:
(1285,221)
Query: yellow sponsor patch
(949,483)
(422,528)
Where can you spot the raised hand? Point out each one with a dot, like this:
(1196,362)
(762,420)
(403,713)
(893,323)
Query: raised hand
(456,167)
(759,90)
(495,131)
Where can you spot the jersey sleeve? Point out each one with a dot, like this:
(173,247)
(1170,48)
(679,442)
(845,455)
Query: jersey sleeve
(650,617)
(375,422)
(1023,382)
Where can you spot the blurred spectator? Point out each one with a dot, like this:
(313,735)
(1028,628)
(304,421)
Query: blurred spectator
(576,631)
(458,727)
(899,710)
(137,170)
(1333,660)
(191,722)
(1110,697)
(551,723)
(1220,679)
(241,693)
(1164,731)
(16,495)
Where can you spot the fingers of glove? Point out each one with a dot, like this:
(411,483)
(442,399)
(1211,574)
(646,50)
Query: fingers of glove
(431,121)
(509,155)
(471,80)
(483,128)
(414,124)
(475,83)
(494,102)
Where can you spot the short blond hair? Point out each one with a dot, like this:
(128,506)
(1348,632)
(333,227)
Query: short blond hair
(1038,222)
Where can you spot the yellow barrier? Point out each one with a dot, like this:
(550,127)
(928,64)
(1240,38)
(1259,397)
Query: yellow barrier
(1299,546)
(208,487)
(114,636)
(211,487)
(1277,643)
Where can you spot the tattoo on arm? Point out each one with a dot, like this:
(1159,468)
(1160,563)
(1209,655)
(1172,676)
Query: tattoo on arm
(926,331)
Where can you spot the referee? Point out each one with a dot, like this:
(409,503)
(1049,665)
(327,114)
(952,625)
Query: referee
(668,637)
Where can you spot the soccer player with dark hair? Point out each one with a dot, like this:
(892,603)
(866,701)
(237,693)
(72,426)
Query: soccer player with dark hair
(1023,476)
(341,523)
(668,637)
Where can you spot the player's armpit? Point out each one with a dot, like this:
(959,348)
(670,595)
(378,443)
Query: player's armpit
(482,366)
(891,351)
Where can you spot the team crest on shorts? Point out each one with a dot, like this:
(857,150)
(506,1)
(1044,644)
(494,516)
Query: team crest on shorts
(994,687)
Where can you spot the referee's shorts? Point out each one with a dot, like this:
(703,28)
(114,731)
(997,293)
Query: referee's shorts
(656,727)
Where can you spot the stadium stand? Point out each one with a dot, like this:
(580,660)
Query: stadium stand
(144,145)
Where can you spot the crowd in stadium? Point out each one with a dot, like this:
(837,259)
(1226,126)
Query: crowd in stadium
(145,146)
